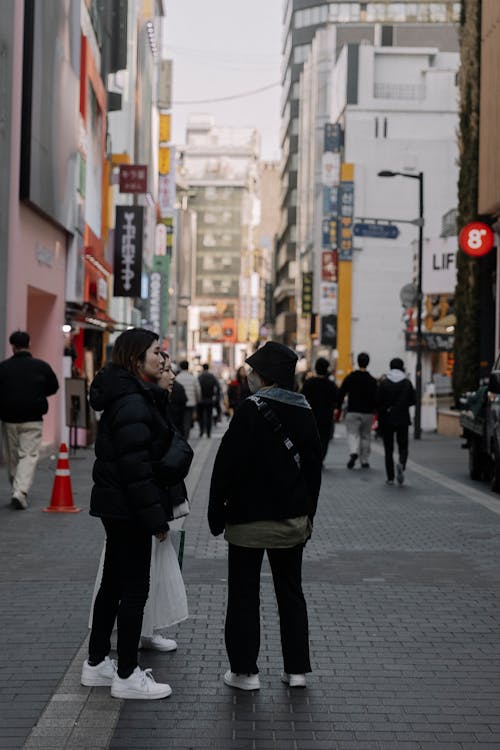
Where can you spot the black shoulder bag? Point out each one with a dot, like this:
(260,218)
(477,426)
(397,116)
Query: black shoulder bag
(277,427)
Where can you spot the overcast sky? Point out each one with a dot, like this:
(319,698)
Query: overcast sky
(221,48)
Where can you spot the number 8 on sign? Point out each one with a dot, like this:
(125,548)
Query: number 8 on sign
(476,239)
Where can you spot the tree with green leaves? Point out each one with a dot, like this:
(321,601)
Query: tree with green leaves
(467,299)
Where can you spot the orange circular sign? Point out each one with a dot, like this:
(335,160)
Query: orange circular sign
(476,239)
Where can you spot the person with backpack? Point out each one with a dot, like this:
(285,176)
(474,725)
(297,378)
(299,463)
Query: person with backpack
(394,397)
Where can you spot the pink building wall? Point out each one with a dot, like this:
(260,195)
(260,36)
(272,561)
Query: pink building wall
(36,267)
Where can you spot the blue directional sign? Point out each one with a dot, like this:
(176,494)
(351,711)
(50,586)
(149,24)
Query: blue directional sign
(380,231)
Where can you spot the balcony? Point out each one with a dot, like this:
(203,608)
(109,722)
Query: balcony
(401,91)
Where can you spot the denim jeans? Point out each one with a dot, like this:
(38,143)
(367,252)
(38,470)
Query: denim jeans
(123,593)
(242,630)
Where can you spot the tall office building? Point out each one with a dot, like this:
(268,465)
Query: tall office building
(220,166)
(381,23)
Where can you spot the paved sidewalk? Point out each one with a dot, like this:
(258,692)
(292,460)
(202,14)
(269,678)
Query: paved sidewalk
(402,586)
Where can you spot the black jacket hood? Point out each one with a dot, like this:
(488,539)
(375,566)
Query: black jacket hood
(113,382)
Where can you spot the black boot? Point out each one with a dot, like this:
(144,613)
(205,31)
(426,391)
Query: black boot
(352,461)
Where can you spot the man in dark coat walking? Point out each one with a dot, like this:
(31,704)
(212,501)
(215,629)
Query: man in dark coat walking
(209,398)
(263,495)
(321,394)
(25,384)
(395,396)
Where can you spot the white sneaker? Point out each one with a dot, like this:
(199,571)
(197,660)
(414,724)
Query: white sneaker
(242,681)
(294,680)
(99,676)
(19,500)
(158,643)
(140,685)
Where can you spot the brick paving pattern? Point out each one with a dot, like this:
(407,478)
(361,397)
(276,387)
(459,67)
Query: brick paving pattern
(402,586)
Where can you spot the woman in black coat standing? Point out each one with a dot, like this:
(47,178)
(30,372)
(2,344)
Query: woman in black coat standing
(128,497)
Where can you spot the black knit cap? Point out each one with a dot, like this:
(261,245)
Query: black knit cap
(275,362)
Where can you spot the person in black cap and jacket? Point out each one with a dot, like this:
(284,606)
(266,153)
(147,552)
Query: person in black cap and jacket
(267,502)
(394,398)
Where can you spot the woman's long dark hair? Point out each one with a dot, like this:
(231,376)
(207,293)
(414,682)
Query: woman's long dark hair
(130,348)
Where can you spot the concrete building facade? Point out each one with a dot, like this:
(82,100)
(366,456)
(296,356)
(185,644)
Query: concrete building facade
(379,23)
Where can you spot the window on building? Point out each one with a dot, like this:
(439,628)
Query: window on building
(311,16)
(209,239)
(301,52)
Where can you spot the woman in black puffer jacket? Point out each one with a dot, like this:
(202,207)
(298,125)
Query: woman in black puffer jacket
(128,497)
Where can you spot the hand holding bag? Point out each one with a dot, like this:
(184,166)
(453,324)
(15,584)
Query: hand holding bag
(178,501)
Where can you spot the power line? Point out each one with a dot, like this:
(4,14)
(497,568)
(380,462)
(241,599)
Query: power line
(232,96)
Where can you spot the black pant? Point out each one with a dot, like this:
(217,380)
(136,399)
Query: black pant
(205,417)
(187,421)
(401,433)
(242,631)
(325,435)
(122,595)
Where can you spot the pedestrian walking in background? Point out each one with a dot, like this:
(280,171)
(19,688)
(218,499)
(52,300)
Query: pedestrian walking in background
(237,390)
(25,384)
(190,384)
(208,399)
(321,394)
(263,495)
(395,396)
(177,400)
(361,390)
(128,496)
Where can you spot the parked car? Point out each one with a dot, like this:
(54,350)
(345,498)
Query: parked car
(480,422)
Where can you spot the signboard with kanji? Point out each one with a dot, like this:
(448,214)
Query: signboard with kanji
(329,264)
(128,251)
(164,160)
(307,292)
(133,178)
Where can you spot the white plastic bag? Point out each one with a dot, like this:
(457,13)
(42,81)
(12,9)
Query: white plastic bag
(167,600)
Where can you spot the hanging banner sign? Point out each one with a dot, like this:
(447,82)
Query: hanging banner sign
(164,134)
(328,335)
(159,295)
(346,212)
(328,296)
(128,251)
(307,292)
(329,264)
(333,137)
(133,178)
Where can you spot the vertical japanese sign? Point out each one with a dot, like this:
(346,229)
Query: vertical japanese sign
(307,292)
(128,251)
(158,294)
(346,212)
(328,335)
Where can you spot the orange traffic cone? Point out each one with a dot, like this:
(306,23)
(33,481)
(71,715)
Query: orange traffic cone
(62,494)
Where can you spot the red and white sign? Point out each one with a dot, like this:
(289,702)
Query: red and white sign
(476,239)
(329,265)
(133,178)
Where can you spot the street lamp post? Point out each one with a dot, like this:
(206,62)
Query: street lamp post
(417,433)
